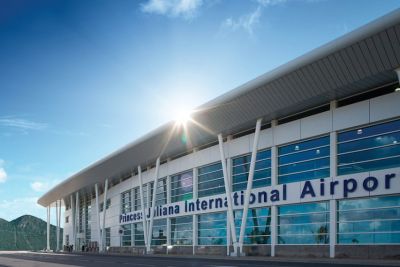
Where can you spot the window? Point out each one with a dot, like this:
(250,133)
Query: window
(108,204)
(138,234)
(369,221)
(304,223)
(161,196)
(305,160)
(182,230)
(182,186)
(212,229)
(126,201)
(126,235)
(108,237)
(369,148)
(159,235)
(67,240)
(262,171)
(147,194)
(67,219)
(258,224)
(211,180)
(137,199)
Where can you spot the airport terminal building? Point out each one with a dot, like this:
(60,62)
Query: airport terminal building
(301,161)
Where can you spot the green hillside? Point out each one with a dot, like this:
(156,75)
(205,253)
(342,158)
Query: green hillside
(26,233)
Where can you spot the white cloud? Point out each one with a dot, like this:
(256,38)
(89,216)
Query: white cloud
(3,173)
(39,186)
(246,22)
(20,123)
(249,21)
(172,8)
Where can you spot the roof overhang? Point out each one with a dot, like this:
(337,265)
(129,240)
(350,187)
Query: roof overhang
(360,60)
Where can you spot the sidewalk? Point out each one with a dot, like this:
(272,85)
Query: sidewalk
(342,261)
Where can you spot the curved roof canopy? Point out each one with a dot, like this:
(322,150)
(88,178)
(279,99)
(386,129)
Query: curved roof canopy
(363,59)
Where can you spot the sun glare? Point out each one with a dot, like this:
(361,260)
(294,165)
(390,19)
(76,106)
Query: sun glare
(182,115)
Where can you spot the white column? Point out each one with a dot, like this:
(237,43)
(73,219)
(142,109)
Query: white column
(77,220)
(96,188)
(398,73)
(73,214)
(59,222)
(332,203)
(249,185)
(274,182)
(228,193)
(58,228)
(168,202)
(228,228)
(274,228)
(153,203)
(48,228)
(194,219)
(103,228)
(145,233)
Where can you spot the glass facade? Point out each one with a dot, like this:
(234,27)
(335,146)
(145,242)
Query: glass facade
(305,160)
(304,223)
(182,186)
(126,235)
(210,180)
(161,196)
(373,220)
(212,229)
(159,235)
(138,234)
(182,230)
(108,236)
(258,225)
(369,220)
(126,202)
(369,148)
(262,171)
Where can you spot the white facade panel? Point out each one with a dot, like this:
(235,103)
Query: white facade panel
(286,133)
(316,124)
(348,116)
(385,106)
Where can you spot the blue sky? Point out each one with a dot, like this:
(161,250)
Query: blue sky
(80,79)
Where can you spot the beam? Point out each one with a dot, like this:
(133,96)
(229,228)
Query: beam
(153,204)
(145,232)
(48,229)
(249,184)
(228,193)
(103,234)
(96,189)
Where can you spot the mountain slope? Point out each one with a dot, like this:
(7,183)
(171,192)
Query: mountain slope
(26,233)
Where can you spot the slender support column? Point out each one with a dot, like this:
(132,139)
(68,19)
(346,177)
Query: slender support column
(153,203)
(58,228)
(249,184)
(274,228)
(77,231)
(143,207)
(228,229)
(274,182)
(73,237)
(194,219)
(59,223)
(103,227)
(228,193)
(48,228)
(96,188)
(398,73)
(332,203)
(332,227)
(168,202)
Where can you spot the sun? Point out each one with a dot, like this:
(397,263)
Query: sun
(182,115)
